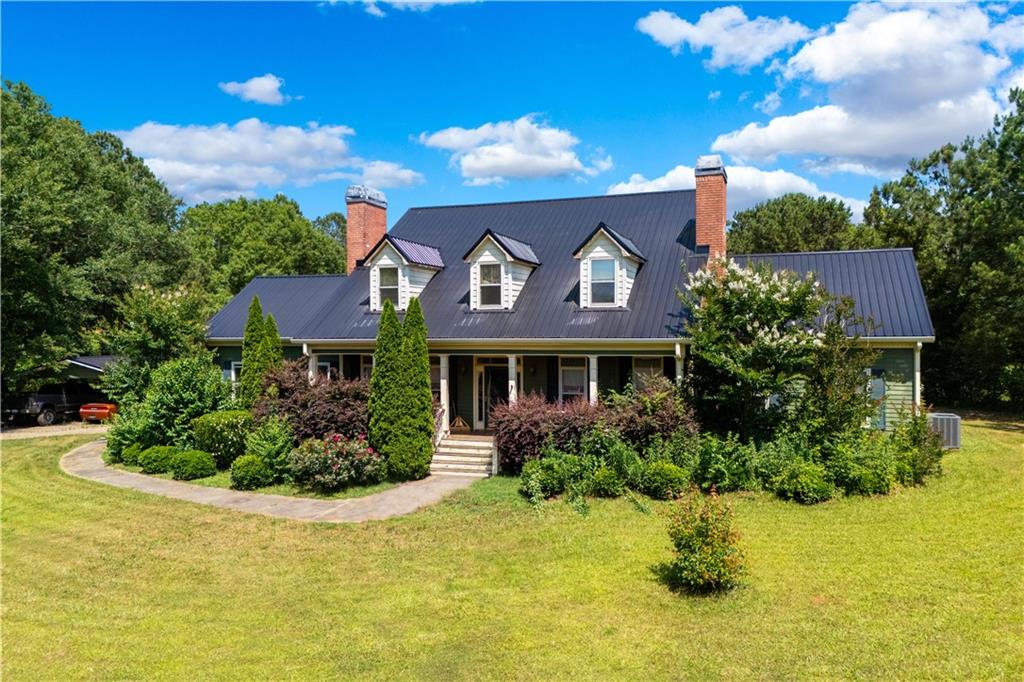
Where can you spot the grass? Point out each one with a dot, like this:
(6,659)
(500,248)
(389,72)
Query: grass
(222,479)
(106,583)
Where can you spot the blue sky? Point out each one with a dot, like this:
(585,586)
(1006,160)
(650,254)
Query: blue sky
(477,102)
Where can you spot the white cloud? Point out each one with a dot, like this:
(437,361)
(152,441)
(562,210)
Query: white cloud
(747,186)
(734,39)
(1014,79)
(770,103)
(714,95)
(265,89)
(1009,35)
(373,7)
(207,163)
(525,148)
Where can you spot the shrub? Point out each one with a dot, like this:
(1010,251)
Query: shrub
(182,390)
(191,464)
(917,449)
(542,478)
(656,410)
(706,556)
(863,464)
(157,459)
(249,472)
(725,464)
(318,409)
(805,482)
(607,483)
(774,457)
(130,427)
(271,441)
(385,403)
(130,455)
(664,480)
(223,435)
(522,428)
(682,448)
(573,420)
(332,464)
(411,446)
(252,378)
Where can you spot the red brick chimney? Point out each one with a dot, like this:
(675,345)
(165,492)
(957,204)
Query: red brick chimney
(711,181)
(367,222)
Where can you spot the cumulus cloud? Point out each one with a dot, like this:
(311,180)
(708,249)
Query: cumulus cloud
(734,40)
(208,163)
(373,7)
(771,102)
(524,148)
(901,80)
(265,89)
(747,186)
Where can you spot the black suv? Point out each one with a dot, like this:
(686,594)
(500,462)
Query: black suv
(50,403)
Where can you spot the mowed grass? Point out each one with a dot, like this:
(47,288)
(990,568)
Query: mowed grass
(104,583)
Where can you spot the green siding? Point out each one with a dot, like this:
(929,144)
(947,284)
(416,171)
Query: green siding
(898,364)
(225,355)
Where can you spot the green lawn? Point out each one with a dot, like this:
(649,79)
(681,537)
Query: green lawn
(222,479)
(105,583)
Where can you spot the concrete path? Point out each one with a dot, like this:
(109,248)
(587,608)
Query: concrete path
(87,462)
(65,429)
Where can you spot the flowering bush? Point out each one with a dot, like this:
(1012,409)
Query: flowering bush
(336,462)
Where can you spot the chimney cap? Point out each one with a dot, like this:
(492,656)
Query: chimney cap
(364,193)
(710,164)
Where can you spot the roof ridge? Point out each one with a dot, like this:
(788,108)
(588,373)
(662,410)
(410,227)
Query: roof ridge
(804,253)
(542,201)
(328,274)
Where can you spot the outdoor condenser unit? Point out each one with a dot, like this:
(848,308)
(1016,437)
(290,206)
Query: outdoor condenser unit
(946,425)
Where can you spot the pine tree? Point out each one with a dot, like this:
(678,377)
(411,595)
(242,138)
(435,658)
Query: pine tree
(384,405)
(253,336)
(412,443)
(273,354)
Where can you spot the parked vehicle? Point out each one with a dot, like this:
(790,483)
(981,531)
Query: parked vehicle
(51,403)
(97,412)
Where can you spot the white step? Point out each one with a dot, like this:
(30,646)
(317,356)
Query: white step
(457,458)
(436,466)
(474,474)
(462,449)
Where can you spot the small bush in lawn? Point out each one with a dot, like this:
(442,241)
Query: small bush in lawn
(249,472)
(706,554)
(805,482)
(725,464)
(863,464)
(664,480)
(654,411)
(607,483)
(130,455)
(188,465)
(541,478)
(271,441)
(917,449)
(336,462)
(223,434)
(157,459)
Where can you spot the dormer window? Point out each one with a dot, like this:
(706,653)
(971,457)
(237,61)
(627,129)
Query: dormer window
(388,290)
(602,281)
(490,285)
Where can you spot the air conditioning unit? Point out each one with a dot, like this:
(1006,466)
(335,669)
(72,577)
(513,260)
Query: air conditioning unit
(947,425)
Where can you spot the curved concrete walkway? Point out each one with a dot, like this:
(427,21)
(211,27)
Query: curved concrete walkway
(87,462)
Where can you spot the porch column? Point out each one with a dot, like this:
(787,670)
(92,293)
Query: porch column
(679,362)
(513,384)
(592,389)
(917,375)
(311,369)
(444,393)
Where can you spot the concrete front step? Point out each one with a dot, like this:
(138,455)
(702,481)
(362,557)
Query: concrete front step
(473,474)
(458,458)
(451,468)
(462,452)
(463,457)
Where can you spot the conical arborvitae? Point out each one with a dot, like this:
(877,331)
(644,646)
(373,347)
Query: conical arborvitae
(412,443)
(385,405)
(251,340)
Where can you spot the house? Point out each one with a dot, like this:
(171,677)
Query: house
(564,297)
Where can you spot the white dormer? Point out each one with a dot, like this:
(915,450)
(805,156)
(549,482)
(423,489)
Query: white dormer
(399,271)
(609,263)
(498,268)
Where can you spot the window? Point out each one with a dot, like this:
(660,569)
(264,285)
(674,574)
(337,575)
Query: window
(877,388)
(602,281)
(573,378)
(490,284)
(645,369)
(236,372)
(365,366)
(388,285)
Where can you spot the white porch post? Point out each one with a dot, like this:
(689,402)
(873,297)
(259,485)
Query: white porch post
(311,370)
(513,384)
(917,375)
(444,393)
(592,389)
(679,362)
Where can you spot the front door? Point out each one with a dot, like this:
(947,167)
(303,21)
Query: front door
(491,390)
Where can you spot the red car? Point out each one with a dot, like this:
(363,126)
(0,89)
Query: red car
(97,412)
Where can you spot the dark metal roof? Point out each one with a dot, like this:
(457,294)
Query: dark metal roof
(516,249)
(624,243)
(413,252)
(883,283)
(96,362)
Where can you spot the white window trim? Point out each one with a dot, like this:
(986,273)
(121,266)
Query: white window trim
(561,383)
(365,362)
(236,371)
(397,287)
(615,282)
(480,285)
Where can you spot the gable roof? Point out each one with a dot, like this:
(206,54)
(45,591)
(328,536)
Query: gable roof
(513,248)
(624,243)
(413,252)
(884,283)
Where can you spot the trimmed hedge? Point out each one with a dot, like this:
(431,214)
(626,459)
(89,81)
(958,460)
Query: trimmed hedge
(130,455)
(223,434)
(249,472)
(188,465)
(157,459)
